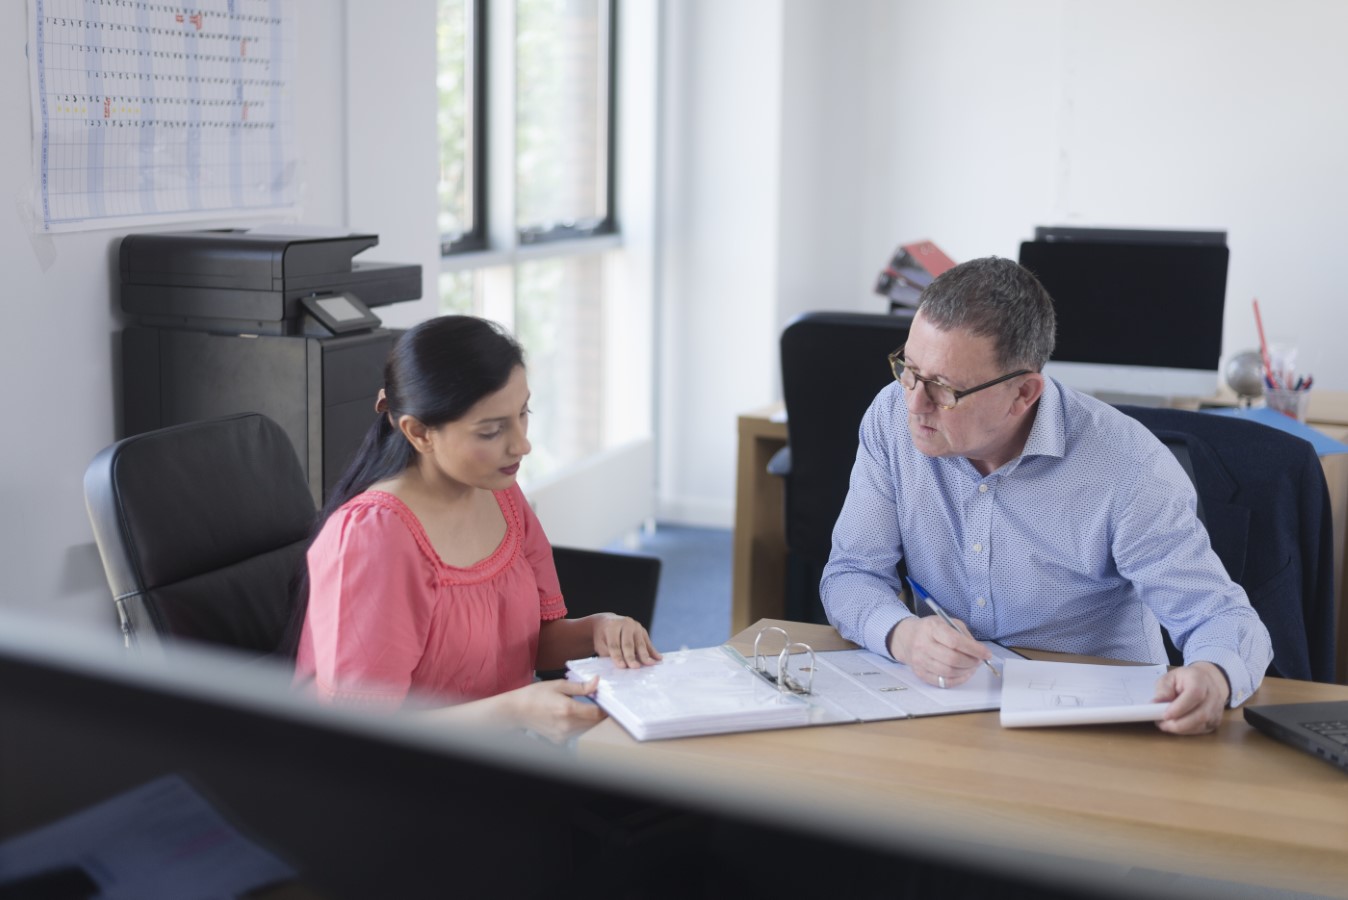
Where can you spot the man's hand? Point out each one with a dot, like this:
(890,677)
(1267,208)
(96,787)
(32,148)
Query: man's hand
(1197,695)
(937,653)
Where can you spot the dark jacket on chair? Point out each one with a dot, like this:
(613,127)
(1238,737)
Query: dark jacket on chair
(1264,500)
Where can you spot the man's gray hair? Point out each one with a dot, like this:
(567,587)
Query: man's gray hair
(996,298)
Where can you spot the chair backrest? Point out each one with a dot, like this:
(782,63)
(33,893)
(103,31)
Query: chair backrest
(202,528)
(597,581)
(1265,505)
(833,365)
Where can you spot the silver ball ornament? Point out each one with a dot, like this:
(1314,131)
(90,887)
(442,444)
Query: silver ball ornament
(1244,373)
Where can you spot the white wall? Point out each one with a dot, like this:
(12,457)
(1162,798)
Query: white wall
(970,122)
(60,342)
(1203,114)
(390,138)
(834,178)
(720,199)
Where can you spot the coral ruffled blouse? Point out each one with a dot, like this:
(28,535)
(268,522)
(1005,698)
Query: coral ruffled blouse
(387,617)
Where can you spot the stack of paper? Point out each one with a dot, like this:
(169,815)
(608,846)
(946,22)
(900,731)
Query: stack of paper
(690,692)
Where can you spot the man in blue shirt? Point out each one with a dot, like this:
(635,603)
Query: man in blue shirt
(1037,516)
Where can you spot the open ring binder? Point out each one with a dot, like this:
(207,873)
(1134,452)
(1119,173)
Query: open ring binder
(713,690)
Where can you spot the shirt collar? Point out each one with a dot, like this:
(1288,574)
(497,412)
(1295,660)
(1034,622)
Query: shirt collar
(1048,435)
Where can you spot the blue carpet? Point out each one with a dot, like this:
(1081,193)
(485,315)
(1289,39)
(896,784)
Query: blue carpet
(692,608)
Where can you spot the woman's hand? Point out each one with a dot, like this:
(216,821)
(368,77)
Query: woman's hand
(557,709)
(623,640)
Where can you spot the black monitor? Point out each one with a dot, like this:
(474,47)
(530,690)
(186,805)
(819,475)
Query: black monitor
(1139,312)
(402,805)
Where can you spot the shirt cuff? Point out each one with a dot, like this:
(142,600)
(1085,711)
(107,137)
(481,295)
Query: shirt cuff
(880,624)
(1233,667)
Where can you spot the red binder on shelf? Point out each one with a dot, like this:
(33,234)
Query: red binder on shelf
(912,267)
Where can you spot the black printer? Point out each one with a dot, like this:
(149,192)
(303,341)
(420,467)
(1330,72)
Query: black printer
(244,321)
(251,282)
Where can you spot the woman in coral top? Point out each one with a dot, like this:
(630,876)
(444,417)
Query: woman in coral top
(431,577)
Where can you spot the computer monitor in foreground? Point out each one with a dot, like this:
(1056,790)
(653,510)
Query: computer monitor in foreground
(395,805)
(1139,312)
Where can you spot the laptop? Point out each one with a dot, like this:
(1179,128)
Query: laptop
(1318,728)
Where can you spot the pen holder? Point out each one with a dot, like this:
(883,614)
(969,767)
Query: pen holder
(1288,402)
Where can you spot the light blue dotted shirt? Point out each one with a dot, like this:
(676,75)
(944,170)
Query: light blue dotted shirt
(1079,545)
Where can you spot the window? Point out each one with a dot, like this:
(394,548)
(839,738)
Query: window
(544,264)
(559,318)
(461,83)
(458,293)
(563,146)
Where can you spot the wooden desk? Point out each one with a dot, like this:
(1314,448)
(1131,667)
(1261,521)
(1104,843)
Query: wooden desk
(759,561)
(758,569)
(1233,806)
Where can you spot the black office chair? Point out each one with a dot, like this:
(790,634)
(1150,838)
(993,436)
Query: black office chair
(1263,499)
(833,365)
(597,581)
(202,528)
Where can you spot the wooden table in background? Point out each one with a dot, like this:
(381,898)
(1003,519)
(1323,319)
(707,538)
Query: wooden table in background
(758,573)
(1233,806)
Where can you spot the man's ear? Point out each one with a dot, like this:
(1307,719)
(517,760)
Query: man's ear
(1028,392)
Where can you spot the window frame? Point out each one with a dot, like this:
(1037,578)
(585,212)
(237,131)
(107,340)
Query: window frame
(485,246)
(476,239)
(608,224)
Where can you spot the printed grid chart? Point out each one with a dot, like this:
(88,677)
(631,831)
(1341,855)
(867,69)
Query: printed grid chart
(148,111)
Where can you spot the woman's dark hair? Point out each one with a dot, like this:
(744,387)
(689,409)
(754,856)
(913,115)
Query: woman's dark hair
(436,372)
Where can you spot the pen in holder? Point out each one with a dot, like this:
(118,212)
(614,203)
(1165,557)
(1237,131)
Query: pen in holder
(1284,389)
(1290,402)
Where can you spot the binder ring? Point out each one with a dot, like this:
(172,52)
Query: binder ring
(784,680)
(758,656)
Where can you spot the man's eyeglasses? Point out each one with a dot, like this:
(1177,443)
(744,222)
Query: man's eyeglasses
(943,395)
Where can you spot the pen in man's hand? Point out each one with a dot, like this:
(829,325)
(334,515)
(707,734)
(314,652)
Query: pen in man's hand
(945,616)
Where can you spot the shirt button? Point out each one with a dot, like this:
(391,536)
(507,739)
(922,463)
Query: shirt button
(978,548)
(981,602)
(982,489)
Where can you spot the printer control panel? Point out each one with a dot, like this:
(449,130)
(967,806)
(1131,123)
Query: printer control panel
(342,313)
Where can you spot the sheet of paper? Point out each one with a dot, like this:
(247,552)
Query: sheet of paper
(161,839)
(1037,692)
(869,687)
